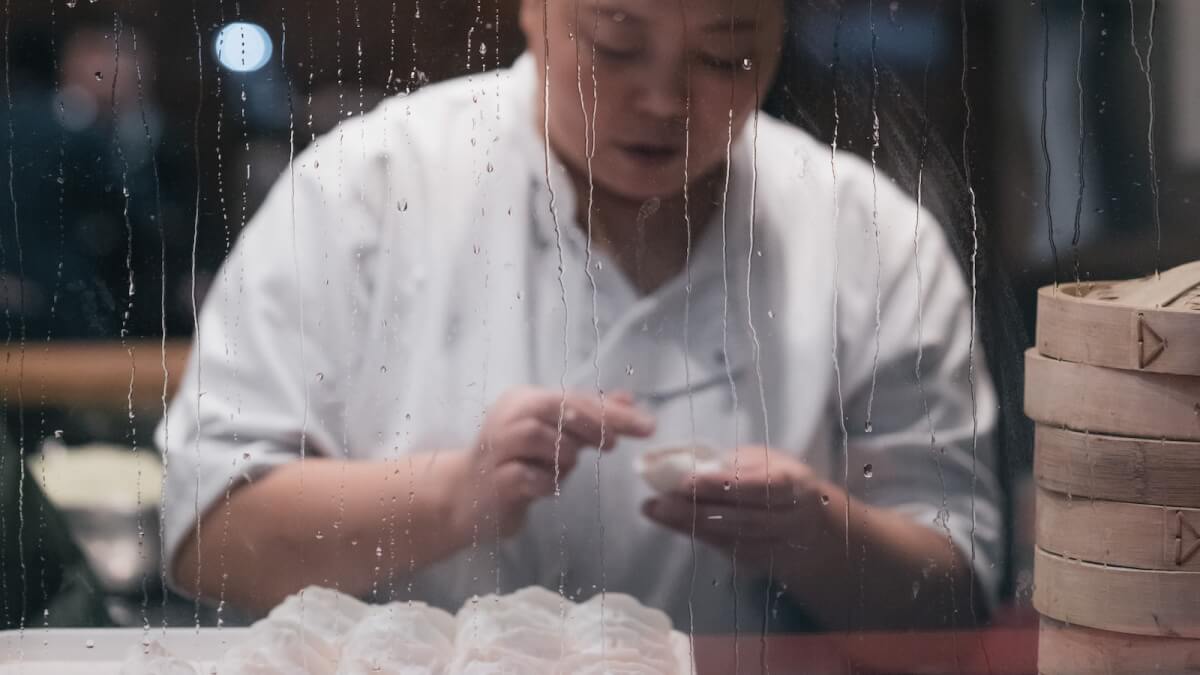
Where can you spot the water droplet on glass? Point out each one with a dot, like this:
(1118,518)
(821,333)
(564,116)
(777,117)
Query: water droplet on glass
(246,456)
(316,163)
(58,433)
(868,471)
(770,314)
(868,427)
(629,369)
(378,551)
(619,17)
(320,535)
(402,205)
(90,644)
(491,167)
(71,4)
(727,486)
(824,500)
(320,377)
(747,64)
(383,369)
(99,76)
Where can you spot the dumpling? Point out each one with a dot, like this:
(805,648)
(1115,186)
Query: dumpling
(154,659)
(399,639)
(528,622)
(270,649)
(614,623)
(671,469)
(494,660)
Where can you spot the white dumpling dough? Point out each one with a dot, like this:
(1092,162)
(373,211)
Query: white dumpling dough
(671,469)
(272,649)
(529,622)
(493,660)
(399,639)
(154,659)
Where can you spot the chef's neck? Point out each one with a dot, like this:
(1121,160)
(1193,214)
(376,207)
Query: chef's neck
(648,239)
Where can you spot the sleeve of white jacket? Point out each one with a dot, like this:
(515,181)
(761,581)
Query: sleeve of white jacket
(274,345)
(918,400)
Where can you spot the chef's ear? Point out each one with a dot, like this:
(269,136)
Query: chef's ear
(532,24)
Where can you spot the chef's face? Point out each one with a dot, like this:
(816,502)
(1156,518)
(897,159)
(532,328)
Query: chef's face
(660,83)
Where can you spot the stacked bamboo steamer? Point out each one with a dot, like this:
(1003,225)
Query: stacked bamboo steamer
(1114,387)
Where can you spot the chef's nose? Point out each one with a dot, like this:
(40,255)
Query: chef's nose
(664,93)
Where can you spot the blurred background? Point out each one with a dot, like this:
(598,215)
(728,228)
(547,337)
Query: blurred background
(1056,139)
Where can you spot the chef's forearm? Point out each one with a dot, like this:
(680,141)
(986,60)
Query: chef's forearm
(334,523)
(893,574)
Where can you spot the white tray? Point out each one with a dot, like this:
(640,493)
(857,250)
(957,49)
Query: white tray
(100,651)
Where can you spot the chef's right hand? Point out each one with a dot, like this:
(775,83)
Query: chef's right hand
(521,455)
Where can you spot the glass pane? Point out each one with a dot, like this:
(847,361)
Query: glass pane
(580,335)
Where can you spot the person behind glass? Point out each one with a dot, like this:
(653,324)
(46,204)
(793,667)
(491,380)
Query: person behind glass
(441,343)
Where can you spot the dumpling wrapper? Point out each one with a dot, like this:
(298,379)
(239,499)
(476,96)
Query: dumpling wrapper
(399,639)
(670,469)
(494,660)
(154,659)
(271,649)
(614,623)
(529,621)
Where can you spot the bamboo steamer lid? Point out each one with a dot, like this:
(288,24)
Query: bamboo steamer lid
(1117,469)
(1117,402)
(1075,650)
(1118,533)
(1150,324)
(1119,599)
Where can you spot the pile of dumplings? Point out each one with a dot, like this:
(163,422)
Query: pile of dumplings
(529,632)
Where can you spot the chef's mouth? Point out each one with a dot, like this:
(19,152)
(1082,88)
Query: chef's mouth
(648,153)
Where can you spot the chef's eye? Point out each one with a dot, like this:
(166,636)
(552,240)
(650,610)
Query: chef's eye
(721,64)
(616,54)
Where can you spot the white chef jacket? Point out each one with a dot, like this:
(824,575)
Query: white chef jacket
(416,263)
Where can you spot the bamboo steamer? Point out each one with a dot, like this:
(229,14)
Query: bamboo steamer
(1118,469)
(1109,401)
(1075,650)
(1118,599)
(1150,324)
(1120,534)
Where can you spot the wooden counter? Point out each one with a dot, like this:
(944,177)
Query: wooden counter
(98,375)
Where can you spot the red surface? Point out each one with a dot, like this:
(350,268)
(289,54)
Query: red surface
(999,651)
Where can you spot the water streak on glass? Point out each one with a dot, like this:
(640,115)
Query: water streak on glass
(195,300)
(1045,138)
(1145,65)
(162,299)
(8,339)
(757,345)
(725,333)
(1082,138)
(944,516)
(687,315)
(54,298)
(835,71)
(875,144)
(589,144)
(118,145)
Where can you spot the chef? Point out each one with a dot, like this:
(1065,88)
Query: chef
(432,359)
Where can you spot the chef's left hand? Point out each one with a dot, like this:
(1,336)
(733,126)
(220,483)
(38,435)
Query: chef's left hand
(767,504)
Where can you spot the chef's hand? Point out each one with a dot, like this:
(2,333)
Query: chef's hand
(767,504)
(520,455)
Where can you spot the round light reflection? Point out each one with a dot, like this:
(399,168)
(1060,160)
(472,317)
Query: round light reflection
(243,47)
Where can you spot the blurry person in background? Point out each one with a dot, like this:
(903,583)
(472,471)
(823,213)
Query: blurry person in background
(95,197)
(440,345)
